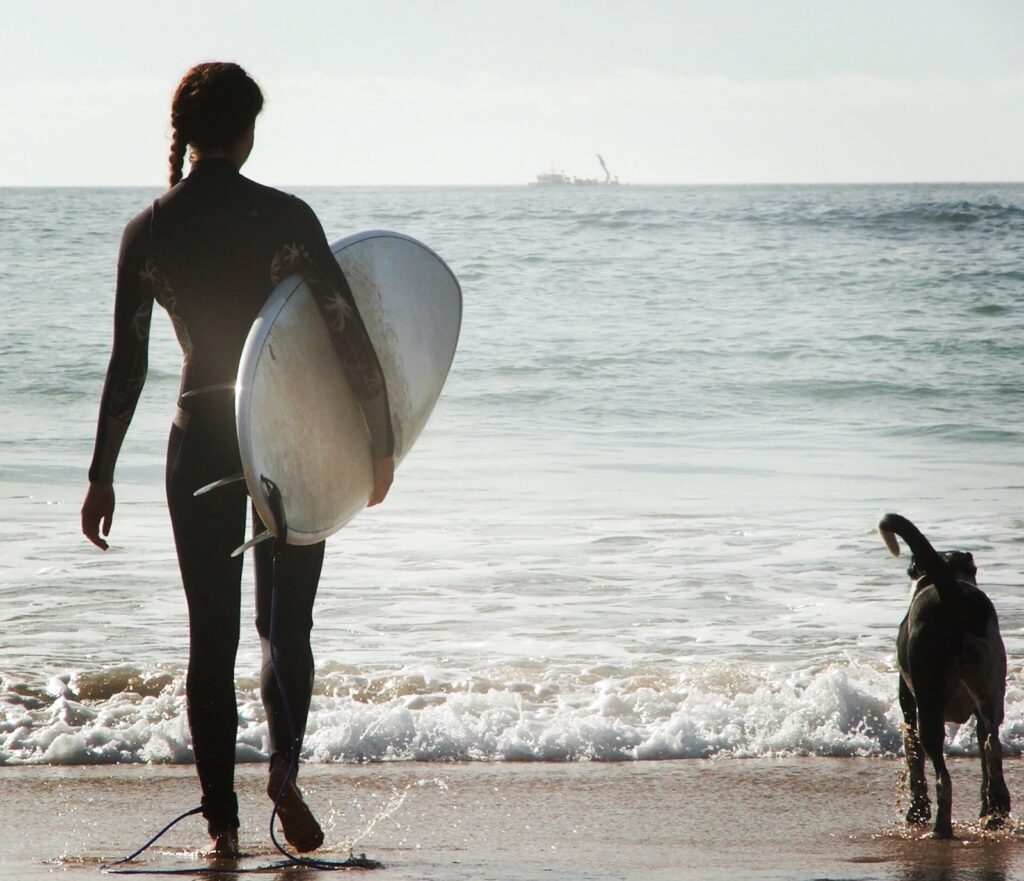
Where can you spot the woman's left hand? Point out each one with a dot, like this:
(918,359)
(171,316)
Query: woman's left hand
(97,513)
(383,475)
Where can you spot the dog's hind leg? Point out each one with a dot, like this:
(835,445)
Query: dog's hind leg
(983,736)
(984,675)
(995,797)
(932,729)
(920,806)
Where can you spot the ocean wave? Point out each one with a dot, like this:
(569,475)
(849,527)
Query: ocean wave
(959,432)
(991,309)
(831,390)
(844,708)
(961,214)
(955,214)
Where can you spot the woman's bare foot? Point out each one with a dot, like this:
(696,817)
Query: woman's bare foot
(301,829)
(223,846)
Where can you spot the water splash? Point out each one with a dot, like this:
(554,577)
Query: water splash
(391,807)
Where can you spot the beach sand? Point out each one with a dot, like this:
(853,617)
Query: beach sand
(806,818)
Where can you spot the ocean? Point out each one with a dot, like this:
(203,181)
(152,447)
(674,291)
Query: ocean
(641,522)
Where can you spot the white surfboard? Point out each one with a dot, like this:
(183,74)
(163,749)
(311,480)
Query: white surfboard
(299,425)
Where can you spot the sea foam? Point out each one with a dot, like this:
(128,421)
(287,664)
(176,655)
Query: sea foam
(842,708)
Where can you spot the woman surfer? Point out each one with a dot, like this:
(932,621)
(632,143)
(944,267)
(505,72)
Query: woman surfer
(210,251)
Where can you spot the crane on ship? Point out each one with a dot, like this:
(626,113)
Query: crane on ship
(593,181)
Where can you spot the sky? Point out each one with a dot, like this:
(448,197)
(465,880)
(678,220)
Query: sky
(427,92)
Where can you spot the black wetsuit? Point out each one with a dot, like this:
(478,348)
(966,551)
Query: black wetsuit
(210,251)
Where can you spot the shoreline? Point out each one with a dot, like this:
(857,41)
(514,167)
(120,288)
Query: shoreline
(794,818)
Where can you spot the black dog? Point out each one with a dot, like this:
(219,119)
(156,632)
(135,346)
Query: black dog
(952,663)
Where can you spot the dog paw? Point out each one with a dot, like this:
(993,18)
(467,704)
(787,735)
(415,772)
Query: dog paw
(993,821)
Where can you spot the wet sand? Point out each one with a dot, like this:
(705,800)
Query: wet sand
(720,819)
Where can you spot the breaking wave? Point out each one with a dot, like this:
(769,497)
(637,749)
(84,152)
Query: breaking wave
(844,708)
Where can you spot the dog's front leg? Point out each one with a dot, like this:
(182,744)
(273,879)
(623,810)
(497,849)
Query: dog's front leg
(920,807)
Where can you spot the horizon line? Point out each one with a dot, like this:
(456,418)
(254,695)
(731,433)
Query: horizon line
(570,186)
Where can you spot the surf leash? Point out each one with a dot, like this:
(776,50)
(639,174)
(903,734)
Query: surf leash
(108,868)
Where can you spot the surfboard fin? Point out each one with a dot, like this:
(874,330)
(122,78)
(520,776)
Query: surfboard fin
(276,503)
(224,481)
(266,535)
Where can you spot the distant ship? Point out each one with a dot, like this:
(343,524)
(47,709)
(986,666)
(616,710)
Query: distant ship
(553,178)
(561,179)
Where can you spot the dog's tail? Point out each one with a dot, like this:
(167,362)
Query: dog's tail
(925,556)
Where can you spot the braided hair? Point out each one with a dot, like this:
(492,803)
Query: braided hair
(214,106)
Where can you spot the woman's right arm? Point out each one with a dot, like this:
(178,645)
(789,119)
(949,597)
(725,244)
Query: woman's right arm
(311,256)
(126,374)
